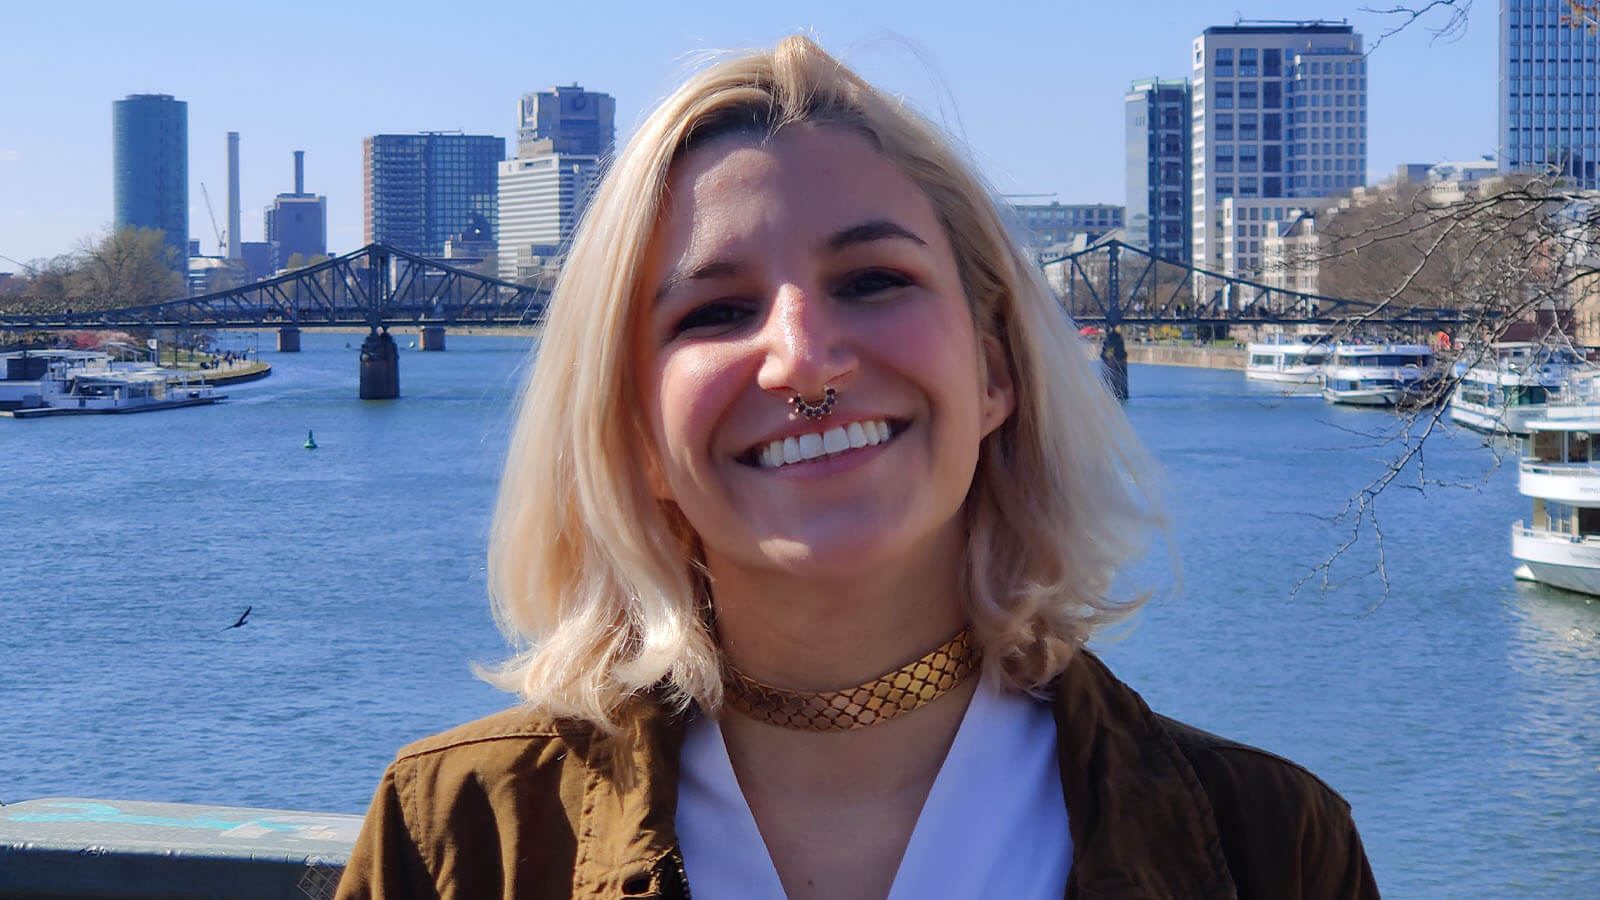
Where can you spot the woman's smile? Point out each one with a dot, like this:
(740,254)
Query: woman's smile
(806,444)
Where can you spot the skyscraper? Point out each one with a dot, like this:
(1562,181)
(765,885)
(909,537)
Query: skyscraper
(1549,92)
(1279,113)
(150,168)
(541,198)
(419,190)
(563,135)
(1157,123)
(566,119)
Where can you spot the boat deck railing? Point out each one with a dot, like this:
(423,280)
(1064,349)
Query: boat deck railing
(1567,470)
(1520,530)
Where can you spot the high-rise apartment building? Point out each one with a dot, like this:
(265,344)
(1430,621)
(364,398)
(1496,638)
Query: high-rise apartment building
(566,119)
(297,223)
(150,168)
(1157,202)
(1279,113)
(563,135)
(419,190)
(541,198)
(1549,92)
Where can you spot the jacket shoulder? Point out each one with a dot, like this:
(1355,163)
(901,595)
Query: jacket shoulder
(1281,826)
(462,813)
(516,725)
(1245,766)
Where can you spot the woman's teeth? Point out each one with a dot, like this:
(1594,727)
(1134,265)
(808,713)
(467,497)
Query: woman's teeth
(835,440)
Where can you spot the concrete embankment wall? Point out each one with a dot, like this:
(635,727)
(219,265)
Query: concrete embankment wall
(1186,355)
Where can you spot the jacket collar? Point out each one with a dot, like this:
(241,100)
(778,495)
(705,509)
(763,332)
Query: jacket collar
(1141,822)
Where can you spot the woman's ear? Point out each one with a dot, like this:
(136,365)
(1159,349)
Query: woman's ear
(999,399)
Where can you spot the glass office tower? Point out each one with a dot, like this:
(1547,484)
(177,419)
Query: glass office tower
(150,168)
(1157,127)
(423,189)
(1549,92)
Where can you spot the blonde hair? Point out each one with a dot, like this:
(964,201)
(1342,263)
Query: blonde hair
(601,586)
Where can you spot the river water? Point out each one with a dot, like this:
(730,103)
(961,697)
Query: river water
(1458,711)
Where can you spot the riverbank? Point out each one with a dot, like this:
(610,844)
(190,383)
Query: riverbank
(1203,357)
(251,371)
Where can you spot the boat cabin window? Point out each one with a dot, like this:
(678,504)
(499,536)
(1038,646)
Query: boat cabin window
(1527,395)
(1558,517)
(1588,520)
(1545,446)
(1263,359)
(1561,446)
(1578,446)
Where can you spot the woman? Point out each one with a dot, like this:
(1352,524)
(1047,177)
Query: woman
(811,505)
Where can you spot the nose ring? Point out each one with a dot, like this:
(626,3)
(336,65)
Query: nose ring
(817,410)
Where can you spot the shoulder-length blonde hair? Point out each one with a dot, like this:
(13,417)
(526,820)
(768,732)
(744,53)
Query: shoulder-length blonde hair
(601,586)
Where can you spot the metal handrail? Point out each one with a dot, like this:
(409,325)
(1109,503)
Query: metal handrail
(1520,530)
(1565,470)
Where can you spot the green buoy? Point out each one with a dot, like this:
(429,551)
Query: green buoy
(311,442)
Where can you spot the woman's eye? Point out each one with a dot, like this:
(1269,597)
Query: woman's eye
(711,315)
(867,284)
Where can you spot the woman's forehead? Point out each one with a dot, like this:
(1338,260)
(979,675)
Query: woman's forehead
(815,178)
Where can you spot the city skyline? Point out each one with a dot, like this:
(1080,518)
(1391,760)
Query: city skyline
(1041,114)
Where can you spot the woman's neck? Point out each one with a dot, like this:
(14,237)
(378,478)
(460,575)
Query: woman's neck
(836,809)
(806,633)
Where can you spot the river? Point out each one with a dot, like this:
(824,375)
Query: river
(1457,710)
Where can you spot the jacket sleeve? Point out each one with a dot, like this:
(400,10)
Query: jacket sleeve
(1335,862)
(385,863)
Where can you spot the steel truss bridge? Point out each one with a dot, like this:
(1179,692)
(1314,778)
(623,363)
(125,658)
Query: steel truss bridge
(1110,285)
(376,286)
(1114,284)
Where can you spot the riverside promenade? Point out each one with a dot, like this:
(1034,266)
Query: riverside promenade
(1207,356)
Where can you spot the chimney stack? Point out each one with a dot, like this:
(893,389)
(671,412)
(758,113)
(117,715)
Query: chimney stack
(232,249)
(299,171)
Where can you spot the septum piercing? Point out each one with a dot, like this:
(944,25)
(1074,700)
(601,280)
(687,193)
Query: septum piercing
(817,410)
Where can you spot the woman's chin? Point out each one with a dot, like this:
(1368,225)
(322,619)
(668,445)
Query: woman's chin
(830,556)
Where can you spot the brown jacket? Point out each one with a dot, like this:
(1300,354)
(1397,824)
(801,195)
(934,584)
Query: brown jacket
(520,806)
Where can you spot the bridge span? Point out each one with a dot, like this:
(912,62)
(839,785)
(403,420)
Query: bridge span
(1112,285)
(378,287)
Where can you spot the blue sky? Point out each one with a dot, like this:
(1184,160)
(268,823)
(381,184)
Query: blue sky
(1034,88)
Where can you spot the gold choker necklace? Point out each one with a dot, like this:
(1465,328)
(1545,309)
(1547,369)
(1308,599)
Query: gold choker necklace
(910,687)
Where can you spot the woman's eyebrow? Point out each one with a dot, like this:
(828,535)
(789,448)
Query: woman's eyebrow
(875,230)
(704,271)
(866,232)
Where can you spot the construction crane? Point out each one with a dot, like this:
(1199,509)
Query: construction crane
(222,236)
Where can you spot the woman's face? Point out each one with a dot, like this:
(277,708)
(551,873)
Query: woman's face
(786,268)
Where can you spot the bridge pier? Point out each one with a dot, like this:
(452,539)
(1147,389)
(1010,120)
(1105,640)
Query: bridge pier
(1114,363)
(289,339)
(380,367)
(432,337)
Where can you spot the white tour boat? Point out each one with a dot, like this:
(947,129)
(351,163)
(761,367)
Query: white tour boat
(1297,363)
(1378,374)
(1502,395)
(1560,469)
(78,383)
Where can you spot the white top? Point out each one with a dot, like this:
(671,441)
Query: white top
(994,823)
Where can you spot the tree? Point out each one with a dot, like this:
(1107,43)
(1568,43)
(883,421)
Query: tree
(126,267)
(1516,251)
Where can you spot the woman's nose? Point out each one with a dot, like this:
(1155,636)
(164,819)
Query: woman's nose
(808,344)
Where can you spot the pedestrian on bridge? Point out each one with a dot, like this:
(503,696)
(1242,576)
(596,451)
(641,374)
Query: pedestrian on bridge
(812,502)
